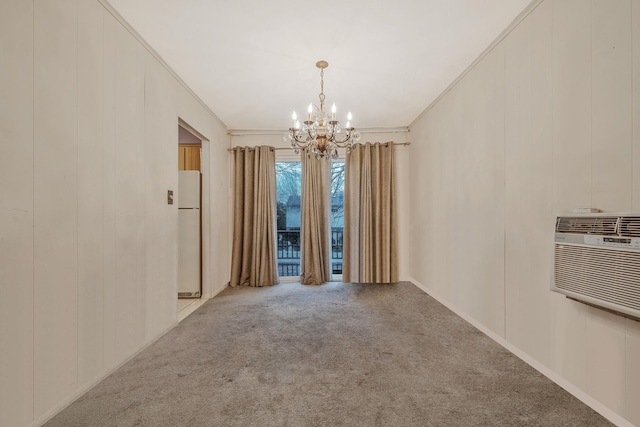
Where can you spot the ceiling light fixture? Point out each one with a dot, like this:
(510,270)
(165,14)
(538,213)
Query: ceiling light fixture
(321,134)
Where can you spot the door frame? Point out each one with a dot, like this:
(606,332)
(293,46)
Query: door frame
(205,213)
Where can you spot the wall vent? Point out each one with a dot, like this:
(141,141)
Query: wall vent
(188,294)
(597,260)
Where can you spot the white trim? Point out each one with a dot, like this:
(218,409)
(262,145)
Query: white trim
(578,393)
(186,126)
(82,390)
(155,54)
(215,293)
(206,260)
(530,8)
(196,304)
(266,132)
(288,155)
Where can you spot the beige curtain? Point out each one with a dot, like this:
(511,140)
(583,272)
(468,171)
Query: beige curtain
(370,217)
(315,261)
(253,257)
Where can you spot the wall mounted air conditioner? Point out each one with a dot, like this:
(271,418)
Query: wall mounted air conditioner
(597,260)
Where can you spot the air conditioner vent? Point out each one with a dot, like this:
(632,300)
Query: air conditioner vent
(587,225)
(630,226)
(607,275)
(597,261)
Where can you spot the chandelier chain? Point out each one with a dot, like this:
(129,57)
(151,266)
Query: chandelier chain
(321,88)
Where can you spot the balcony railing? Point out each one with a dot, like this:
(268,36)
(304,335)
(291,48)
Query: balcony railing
(288,249)
(337,239)
(288,244)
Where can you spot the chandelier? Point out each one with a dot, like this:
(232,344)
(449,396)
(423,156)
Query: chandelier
(321,134)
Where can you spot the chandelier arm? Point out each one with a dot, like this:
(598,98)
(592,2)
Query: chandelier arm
(344,142)
(302,143)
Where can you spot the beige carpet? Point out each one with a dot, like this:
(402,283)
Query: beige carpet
(330,355)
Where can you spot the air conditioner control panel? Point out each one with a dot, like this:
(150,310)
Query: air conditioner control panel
(614,241)
(599,240)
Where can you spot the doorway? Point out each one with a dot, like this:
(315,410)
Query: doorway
(288,191)
(189,214)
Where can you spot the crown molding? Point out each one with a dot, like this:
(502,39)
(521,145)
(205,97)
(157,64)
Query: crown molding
(155,54)
(518,19)
(266,132)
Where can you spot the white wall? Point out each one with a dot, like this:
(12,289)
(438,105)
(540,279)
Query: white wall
(547,121)
(89,131)
(402,169)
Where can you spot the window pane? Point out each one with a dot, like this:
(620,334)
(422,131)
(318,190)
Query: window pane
(288,188)
(337,215)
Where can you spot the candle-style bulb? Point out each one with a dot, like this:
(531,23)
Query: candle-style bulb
(349,116)
(294,116)
(333,108)
(309,110)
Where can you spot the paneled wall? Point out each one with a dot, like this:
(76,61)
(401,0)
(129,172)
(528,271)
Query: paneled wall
(89,131)
(16,213)
(547,121)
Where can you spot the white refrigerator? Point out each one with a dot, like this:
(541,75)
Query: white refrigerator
(189,257)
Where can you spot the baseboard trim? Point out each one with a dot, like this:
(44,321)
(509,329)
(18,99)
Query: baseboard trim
(578,393)
(82,390)
(72,398)
(216,292)
(186,312)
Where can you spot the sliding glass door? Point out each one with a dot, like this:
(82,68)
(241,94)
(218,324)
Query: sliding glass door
(288,190)
(337,217)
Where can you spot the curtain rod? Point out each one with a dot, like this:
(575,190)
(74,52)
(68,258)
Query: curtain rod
(289,148)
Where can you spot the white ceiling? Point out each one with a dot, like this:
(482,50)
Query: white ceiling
(253,62)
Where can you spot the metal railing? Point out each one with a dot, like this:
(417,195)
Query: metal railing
(288,251)
(337,241)
(288,269)
(288,244)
